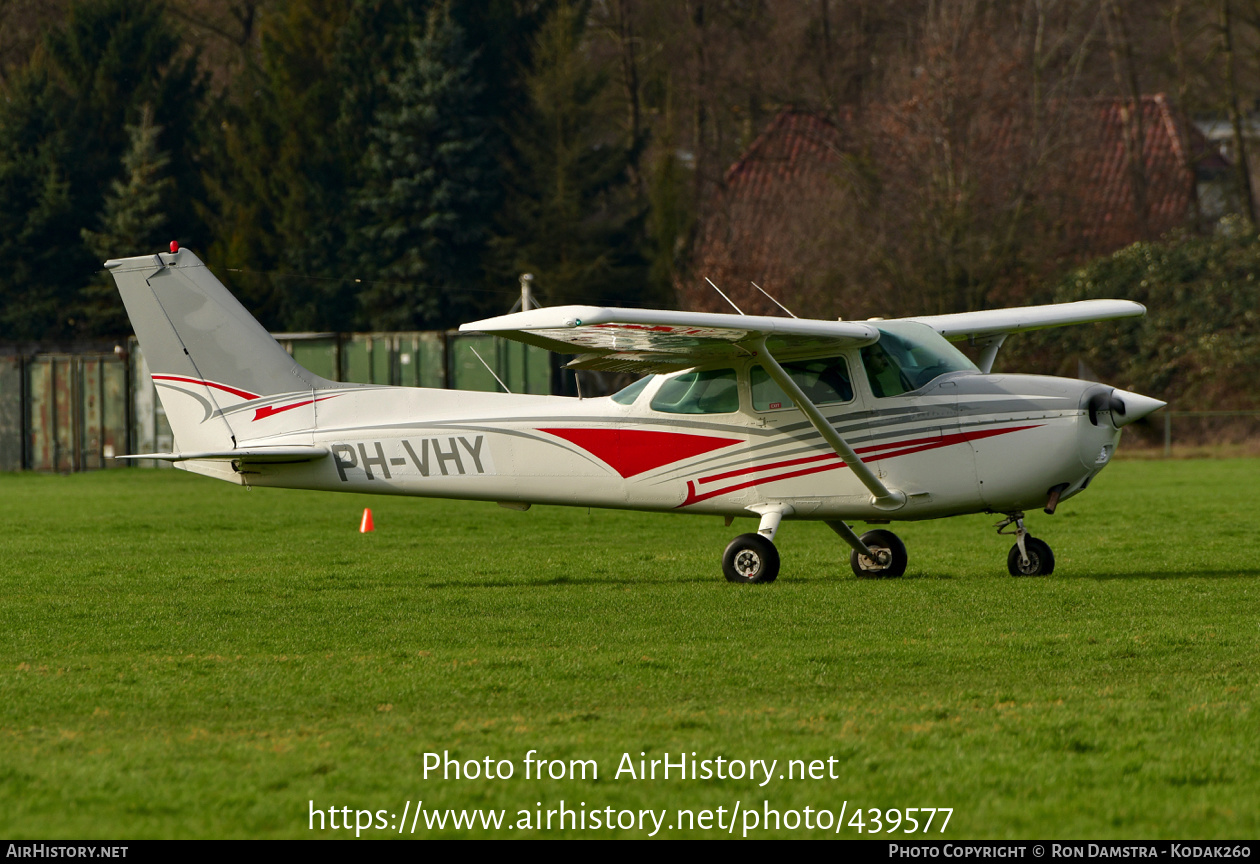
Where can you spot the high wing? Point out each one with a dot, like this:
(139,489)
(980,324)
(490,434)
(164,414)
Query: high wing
(655,340)
(988,329)
(974,325)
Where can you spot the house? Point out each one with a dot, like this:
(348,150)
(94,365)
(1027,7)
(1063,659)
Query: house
(856,219)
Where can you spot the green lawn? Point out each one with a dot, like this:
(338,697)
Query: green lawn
(182,658)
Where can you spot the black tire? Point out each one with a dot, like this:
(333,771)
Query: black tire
(865,568)
(1040,559)
(750,558)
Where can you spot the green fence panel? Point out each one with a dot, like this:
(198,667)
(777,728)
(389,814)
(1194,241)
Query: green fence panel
(408,359)
(382,351)
(64,398)
(11,411)
(406,356)
(356,360)
(466,372)
(99,410)
(91,413)
(51,420)
(432,352)
(41,428)
(420,359)
(538,369)
(511,364)
(317,354)
(114,401)
(525,368)
(150,431)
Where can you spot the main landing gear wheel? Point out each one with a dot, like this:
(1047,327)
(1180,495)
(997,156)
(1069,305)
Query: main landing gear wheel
(890,556)
(750,558)
(1040,559)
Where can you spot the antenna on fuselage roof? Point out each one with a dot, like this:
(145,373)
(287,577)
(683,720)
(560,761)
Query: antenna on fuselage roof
(724,297)
(775,302)
(488,369)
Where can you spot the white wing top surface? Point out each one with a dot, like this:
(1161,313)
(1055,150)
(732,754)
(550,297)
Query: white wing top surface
(657,340)
(964,325)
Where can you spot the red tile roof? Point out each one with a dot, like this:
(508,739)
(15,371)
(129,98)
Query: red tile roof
(783,183)
(743,231)
(1170,156)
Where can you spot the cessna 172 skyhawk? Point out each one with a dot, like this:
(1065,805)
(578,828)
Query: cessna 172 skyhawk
(777,417)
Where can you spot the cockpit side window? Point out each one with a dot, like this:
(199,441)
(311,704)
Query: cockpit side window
(883,371)
(713,391)
(823,382)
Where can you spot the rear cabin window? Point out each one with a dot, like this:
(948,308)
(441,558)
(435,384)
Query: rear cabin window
(823,382)
(713,391)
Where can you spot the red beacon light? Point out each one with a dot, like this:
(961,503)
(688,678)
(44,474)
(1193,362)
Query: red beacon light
(174,246)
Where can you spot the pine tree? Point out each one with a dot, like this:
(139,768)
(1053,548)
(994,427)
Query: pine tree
(285,176)
(430,182)
(132,218)
(575,219)
(37,215)
(63,132)
(113,60)
(271,176)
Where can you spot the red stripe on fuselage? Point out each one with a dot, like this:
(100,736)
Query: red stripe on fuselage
(244,394)
(934,441)
(268,410)
(895,449)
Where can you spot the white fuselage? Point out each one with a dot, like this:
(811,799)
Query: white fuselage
(966,442)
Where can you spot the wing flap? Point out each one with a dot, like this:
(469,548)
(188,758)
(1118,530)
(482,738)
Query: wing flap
(657,340)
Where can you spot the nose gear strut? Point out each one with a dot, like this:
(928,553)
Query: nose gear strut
(1029,556)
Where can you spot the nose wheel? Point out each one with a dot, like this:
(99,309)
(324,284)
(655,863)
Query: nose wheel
(1037,559)
(1029,556)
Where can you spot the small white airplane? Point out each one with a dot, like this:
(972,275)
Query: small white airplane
(741,415)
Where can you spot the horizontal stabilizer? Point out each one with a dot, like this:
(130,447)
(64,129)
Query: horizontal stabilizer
(255,455)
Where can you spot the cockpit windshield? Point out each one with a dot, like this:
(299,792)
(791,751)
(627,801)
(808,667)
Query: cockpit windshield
(909,355)
(627,395)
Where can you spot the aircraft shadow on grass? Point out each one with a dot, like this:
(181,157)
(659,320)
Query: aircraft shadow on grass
(1237,573)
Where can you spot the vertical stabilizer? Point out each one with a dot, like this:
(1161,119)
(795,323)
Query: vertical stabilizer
(206,352)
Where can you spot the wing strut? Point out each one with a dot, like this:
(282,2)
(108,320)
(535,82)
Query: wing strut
(883,497)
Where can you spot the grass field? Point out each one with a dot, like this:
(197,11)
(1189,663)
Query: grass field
(182,658)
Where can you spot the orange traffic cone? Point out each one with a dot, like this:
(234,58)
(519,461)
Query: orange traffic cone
(366,525)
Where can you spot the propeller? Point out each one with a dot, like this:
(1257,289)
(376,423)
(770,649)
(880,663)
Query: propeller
(1133,406)
(1124,407)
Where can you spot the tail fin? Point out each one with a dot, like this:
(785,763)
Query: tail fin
(205,351)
